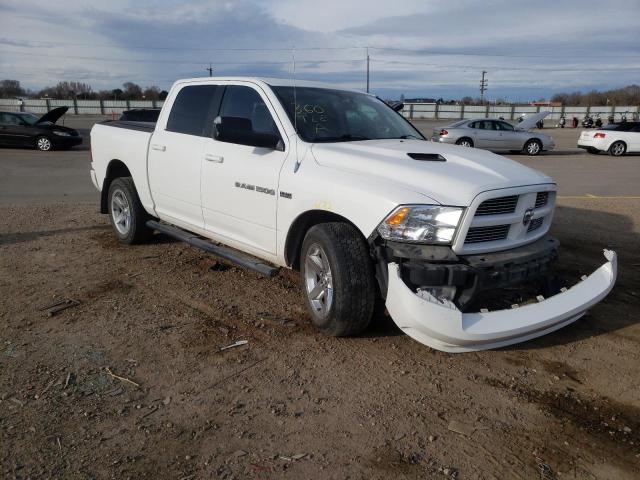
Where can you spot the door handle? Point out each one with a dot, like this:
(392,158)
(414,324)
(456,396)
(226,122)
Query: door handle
(160,148)
(214,158)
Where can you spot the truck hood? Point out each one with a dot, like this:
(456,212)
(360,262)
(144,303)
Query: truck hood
(464,173)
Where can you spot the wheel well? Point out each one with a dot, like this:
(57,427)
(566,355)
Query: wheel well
(115,169)
(299,229)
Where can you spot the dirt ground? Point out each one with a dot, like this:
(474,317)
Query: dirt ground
(292,403)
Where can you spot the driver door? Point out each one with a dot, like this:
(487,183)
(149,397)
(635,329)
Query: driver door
(12,130)
(239,183)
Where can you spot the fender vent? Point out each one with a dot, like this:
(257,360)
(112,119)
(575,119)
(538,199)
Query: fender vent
(428,157)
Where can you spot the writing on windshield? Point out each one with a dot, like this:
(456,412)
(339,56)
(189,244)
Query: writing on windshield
(327,115)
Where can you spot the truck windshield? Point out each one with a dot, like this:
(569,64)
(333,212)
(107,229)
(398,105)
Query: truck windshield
(326,115)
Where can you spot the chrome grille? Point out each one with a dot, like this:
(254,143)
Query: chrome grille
(498,206)
(541,199)
(535,224)
(487,234)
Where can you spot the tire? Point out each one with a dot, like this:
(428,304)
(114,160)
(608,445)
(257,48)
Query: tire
(465,142)
(617,149)
(43,143)
(126,214)
(533,147)
(338,282)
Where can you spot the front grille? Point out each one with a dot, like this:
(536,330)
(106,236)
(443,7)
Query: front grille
(535,224)
(498,206)
(541,199)
(487,234)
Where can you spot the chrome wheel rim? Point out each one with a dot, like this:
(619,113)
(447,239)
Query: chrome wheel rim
(44,144)
(465,143)
(120,212)
(318,280)
(533,148)
(618,149)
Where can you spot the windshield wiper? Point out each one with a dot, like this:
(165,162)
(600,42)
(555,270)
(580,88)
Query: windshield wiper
(410,135)
(343,138)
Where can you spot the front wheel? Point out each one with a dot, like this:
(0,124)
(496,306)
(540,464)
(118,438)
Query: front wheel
(533,147)
(43,144)
(337,279)
(128,216)
(617,149)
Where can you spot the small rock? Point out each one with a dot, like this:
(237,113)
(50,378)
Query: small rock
(239,453)
(626,429)
(432,438)
(167,401)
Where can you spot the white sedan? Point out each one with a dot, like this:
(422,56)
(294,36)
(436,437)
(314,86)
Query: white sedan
(616,138)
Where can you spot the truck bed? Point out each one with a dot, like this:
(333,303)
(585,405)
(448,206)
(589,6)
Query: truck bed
(130,125)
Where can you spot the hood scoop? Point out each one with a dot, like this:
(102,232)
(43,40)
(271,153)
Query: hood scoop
(427,157)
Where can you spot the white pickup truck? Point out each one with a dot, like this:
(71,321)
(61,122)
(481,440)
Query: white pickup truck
(336,184)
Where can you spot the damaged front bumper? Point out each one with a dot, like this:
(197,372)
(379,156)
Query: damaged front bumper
(440,325)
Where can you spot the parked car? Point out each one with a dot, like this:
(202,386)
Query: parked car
(615,138)
(141,115)
(493,134)
(39,131)
(339,186)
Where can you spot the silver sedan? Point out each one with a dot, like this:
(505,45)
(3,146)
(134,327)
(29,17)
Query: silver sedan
(493,134)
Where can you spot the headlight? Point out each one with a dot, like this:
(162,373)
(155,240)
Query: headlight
(61,133)
(421,224)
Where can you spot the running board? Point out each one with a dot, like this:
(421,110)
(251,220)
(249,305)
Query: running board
(223,252)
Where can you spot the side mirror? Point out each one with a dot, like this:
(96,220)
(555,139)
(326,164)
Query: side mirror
(239,130)
(398,106)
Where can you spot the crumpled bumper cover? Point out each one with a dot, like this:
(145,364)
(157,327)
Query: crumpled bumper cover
(440,325)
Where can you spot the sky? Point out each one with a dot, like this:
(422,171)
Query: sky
(530,49)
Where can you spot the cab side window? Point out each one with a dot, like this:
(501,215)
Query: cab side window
(192,110)
(243,104)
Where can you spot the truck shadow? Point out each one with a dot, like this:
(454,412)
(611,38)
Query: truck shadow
(583,234)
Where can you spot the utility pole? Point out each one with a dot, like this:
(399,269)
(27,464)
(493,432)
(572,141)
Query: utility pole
(483,86)
(210,69)
(367,69)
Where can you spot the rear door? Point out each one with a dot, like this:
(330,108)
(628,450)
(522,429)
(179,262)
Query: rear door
(240,182)
(175,154)
(484,134)
(12,130)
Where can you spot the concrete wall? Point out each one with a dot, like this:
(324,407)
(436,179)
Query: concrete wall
(76,107)
(508,112)
(411,110)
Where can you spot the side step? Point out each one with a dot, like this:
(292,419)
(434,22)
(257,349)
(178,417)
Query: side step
(223,252)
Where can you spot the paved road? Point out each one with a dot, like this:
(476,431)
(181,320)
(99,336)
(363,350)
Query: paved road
(32,177)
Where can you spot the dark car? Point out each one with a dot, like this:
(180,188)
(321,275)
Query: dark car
(30,130)
(141,115)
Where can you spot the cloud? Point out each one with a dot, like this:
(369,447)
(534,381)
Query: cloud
(418,47)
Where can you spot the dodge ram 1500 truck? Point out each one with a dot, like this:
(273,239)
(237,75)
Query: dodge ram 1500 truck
(272,173)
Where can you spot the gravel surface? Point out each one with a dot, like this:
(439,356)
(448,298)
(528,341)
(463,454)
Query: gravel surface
(132,383)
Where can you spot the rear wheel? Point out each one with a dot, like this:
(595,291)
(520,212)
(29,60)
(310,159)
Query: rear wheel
(127,215)
(465,142)
(43,143)
(617,149)
(338,279)
(533,147)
